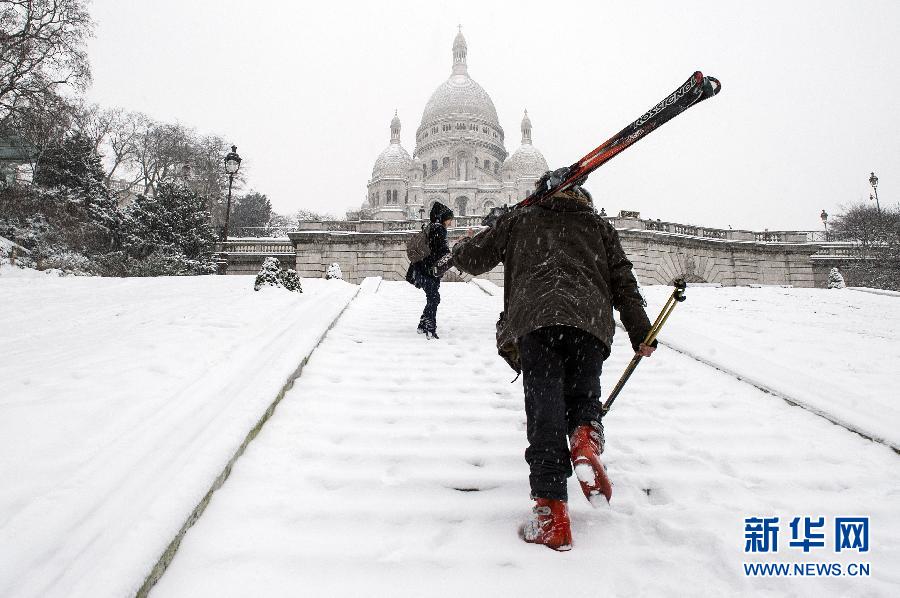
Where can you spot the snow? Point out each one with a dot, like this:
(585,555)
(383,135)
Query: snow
(834,350)
(120,401)
(7,270)
(394,465)
(404,476)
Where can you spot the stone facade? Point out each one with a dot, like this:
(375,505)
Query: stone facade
(460,157)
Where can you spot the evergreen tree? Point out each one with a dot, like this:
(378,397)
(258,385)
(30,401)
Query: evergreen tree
(334,272)
(252,210)
(74,164)
(174,223)
(835,280)
(71,194)
(268,274)
(271,275)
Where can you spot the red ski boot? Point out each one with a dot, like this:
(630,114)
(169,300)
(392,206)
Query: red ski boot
(587,444)
(549,525)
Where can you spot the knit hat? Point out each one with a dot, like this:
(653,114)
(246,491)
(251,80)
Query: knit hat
(440,212)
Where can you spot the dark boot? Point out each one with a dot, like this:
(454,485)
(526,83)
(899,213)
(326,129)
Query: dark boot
(587,444)
(549,525)
(429,326)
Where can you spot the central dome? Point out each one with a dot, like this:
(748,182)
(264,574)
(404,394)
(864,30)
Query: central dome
(460,95)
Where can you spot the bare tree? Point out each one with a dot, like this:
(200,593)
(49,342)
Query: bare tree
(41,51)
(208,173)
(876,236)
(36,130)
(304,215)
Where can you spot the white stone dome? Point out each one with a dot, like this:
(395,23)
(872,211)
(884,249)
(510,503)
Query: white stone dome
(460,94)
(394,161)
(527,160)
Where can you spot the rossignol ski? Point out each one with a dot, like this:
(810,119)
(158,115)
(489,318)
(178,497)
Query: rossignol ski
(696,89)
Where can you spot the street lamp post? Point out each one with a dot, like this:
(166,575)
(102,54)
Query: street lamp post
(824,217)
(873,180)
(232,165)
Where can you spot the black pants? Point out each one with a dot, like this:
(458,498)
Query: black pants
(432,287)
(561,374)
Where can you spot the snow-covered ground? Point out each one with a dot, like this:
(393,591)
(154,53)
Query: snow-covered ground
(394,466)
(120,401)
(402,475)
(835,350)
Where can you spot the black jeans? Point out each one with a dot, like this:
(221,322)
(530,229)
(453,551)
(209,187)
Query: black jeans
(432,287)
(561,368)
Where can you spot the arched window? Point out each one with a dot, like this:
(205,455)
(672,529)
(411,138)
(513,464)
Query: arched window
(461,206)
(424,170)
(496,168)
(488,205)
(487,164)
(395,196)
(377,197)
(446,162)
(433,165)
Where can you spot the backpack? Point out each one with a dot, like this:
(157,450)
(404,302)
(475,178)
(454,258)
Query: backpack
(417,248)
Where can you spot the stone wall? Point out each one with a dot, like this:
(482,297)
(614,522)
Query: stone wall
(658,257)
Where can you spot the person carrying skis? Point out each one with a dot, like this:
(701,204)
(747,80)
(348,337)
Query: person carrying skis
(426,274)
(564,272)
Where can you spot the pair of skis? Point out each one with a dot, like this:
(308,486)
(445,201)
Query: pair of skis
(696,89)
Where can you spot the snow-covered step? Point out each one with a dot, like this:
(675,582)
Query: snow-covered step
(121,402)
(394,468)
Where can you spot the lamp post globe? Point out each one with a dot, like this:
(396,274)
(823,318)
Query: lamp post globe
(232,165)
(873,180)
(232,161)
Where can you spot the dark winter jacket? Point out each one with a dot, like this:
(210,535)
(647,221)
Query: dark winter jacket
(564,265)
(439,257)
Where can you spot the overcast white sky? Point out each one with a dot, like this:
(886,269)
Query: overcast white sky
(809,104)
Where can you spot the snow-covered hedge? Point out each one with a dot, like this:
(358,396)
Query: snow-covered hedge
(835,280)
(272,275)
(334,272)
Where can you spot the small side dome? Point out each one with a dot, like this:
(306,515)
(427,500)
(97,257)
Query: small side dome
(527,160)
(394,161)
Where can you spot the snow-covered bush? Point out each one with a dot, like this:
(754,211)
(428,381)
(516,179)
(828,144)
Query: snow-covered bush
(835,280)
(68,263)
(272,275)
(334,271)
(290,280)
(172,223)
(268,274)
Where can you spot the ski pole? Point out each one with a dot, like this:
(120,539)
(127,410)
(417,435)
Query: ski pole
(674,299)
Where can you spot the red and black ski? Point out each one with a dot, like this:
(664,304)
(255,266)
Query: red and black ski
(696,89)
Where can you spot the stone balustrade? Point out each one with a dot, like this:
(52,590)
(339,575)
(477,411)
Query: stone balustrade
(660,251)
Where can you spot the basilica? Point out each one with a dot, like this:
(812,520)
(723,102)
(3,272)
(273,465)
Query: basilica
(460,158)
